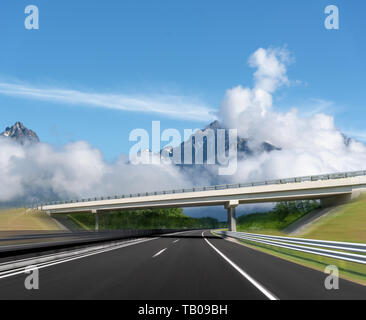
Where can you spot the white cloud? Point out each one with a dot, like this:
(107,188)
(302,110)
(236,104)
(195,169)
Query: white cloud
(172,106)
(76,170)
(310,143)
(271,69)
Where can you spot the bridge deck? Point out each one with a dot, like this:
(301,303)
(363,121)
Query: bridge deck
(314,187)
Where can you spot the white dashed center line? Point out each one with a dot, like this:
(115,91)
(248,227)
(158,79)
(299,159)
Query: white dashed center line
(160,252)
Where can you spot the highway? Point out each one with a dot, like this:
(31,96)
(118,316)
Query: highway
(194,265)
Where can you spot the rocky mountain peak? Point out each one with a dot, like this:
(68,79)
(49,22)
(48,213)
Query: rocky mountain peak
(19,133)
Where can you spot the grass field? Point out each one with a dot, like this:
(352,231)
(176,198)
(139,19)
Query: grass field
(14,220)
(345,223)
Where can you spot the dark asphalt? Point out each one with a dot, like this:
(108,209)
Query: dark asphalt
(188,269)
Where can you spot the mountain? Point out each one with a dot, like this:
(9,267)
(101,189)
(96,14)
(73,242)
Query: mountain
(243,148)
(19,133)
(242,143)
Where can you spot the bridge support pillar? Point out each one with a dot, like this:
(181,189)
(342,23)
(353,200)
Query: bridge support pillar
(95,212)
(231,216)
(356,192)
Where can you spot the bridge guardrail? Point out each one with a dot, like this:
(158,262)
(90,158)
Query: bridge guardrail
(318,247)
(339,175)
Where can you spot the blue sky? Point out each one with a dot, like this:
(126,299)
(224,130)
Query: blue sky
(192,51)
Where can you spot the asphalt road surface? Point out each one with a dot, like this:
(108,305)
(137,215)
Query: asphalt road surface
(188,266)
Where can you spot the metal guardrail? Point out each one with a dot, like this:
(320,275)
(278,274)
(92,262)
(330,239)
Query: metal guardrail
(220,187)
(317,247)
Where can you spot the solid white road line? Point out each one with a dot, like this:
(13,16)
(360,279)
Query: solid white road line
(21,270)
(262,289)
(11,273)
(175,241)
(10,266)
(160,252)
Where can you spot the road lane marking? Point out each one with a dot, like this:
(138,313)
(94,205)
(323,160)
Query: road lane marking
(254,282)
(21,270)
(160,252)
(175,241)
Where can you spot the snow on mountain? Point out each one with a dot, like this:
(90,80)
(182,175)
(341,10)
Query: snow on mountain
(19,133)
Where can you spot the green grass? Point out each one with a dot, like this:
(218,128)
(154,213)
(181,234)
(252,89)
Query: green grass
(14,220)
(78,221)
(344,223)
(284,214)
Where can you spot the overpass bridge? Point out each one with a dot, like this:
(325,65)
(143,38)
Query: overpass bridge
(331,189)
